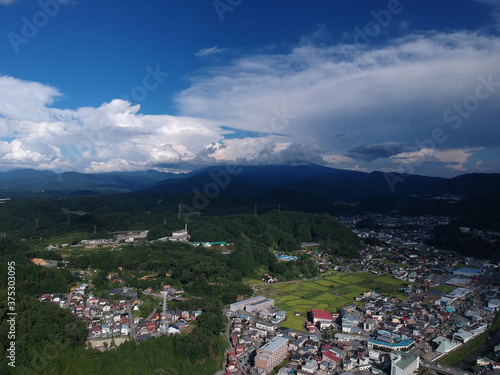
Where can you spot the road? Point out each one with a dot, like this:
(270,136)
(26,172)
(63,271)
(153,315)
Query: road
(444,369)
(472,357)
(68,300)
(131,324)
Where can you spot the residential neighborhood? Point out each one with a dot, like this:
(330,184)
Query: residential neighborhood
(433,303)
(450,300)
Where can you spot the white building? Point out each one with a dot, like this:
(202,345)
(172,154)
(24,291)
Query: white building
(180,235)
(240,305)
(404,363)
(494,304)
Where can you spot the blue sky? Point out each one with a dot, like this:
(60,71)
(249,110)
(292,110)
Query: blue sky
(408,86)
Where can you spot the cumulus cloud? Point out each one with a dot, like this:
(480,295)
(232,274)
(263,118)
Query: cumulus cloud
(352,106)
(346,95)
(114,135)
(24,100)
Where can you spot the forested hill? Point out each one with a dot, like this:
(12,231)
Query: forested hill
(97,216)
(280,229)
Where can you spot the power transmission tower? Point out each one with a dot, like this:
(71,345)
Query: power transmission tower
(164,321)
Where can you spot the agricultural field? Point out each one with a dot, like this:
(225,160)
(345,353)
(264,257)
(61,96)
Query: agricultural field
(329,293)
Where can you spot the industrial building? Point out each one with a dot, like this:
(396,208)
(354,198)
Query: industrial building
(260,305)
(240,305)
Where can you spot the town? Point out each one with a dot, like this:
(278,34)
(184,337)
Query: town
(402,308)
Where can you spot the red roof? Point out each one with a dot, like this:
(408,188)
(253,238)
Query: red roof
(331,356)
(321,314)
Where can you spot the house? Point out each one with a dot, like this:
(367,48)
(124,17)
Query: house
(330,357)
(232,367)
(338,352)
(173,330)
(115,329)
(96,331)
(310,366)
(151,326)
(370,324)
(280,317)
(310,327)
(494,304)
(264,326)
(322,318)
(125,330)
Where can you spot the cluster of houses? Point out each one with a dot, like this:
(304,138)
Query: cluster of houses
(105,319)
(306,353)
(178,321)
(55,297)
(372,333)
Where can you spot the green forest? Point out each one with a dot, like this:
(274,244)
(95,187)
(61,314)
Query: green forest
(50,340)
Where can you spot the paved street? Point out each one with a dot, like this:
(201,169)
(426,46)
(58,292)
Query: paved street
(133,334)
(444,369)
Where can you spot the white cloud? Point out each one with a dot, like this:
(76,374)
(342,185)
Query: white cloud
(452,158)
(19,154)
(24,100)
(397,93)
(351,106)
(36,135)
(7,2)
(336,159)
(209,51)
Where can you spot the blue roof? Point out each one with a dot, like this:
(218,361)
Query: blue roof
(470,271)
(402,343)
(287,258)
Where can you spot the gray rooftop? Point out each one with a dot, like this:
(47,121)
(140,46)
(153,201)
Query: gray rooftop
(274,344)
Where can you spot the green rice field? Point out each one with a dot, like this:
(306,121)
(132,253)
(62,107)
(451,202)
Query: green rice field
(329,293)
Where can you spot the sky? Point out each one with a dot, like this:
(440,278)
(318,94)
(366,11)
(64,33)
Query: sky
(395,86)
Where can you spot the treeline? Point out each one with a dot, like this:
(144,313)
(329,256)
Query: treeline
(198,270)
(50,340)
(32,280)
(42,332)
(284,230)
(49,217)
(450,237)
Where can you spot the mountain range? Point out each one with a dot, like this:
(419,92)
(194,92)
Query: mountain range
(310,181)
